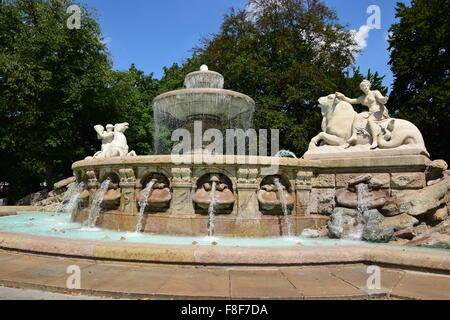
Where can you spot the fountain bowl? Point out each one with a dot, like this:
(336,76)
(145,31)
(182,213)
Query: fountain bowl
(181,104)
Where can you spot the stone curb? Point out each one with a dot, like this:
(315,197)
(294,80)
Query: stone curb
(407,258)
(13,210)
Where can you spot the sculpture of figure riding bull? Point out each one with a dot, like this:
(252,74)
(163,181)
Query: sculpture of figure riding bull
(343,127)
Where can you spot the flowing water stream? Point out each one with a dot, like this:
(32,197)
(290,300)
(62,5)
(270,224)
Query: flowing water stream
(70,198)
(212,211)
(143,204)
(284,207)
(94,213)
(362,191)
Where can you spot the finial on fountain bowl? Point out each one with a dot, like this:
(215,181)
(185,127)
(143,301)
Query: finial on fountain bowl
(204,79)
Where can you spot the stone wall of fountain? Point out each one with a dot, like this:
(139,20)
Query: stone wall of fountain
(241,206)
(249,203)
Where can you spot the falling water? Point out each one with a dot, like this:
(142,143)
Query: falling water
(212,210)
(363,194)
(284,206)
(362,191)
(94,213)
(70,198)
(143,204)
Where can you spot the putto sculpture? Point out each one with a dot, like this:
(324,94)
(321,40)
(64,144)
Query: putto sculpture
(343,129)
(114,141)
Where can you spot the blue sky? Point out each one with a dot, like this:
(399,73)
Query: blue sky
(157,33)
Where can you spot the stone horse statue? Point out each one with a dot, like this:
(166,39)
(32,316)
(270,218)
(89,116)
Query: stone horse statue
(114,143)
(340,120)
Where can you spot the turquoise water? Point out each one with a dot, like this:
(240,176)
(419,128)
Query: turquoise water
(50,224)
(47,224)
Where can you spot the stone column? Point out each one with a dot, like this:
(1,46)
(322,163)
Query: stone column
(182,204)
(128,191)
(303,186)
(247,187)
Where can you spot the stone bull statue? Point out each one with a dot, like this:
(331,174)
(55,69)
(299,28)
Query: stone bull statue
(340,121)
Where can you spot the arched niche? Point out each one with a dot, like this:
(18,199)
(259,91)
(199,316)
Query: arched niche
(156,193)
(275,195)
(222,187)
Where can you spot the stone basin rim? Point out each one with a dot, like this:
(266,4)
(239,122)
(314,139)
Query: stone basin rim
(212,91)
(412,161)
(409,258)
(167,160)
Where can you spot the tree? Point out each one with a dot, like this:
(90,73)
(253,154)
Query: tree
(285,54)
(131,93)
(51,82)
(420,61)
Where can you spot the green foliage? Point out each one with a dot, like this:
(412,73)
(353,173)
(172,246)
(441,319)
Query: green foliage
(173,78)
(55,85)
(285,57)
(50,77)
(420,61)
(130,94)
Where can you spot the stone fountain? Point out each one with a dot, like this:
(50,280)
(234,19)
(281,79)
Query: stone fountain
(240,197)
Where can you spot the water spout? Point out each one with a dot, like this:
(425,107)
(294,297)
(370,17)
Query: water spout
(70,198)
(94,213)
(212,210)
(143,204)
(362,191)
(284,206)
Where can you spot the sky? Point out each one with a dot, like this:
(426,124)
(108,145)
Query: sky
(157,33)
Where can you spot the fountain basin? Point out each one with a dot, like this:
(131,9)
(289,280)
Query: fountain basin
(314,185)
(197,225)
(142,248)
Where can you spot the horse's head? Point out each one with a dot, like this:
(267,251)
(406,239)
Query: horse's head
(121,127)
(327,103)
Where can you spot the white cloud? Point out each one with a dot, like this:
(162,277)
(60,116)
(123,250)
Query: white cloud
(361,36)
(255,9)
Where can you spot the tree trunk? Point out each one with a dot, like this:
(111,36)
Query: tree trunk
(49,171)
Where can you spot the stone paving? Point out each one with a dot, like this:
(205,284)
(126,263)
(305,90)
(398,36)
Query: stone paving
(25,294)
(136,281)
